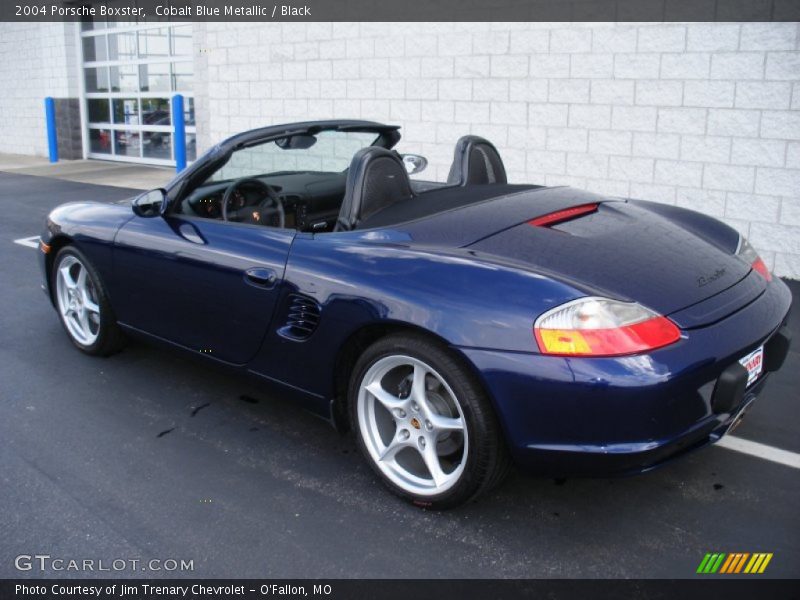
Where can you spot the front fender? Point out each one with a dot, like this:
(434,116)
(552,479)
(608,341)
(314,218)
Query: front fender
(92,227)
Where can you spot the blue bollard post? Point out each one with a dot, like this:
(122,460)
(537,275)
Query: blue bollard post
(50,118)
(179,132)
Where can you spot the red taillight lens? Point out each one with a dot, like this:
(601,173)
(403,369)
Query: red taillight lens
(748,254)
(602,327)
(563,215)
(760,267)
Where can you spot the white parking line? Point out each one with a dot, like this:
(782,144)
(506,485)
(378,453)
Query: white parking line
(29,242)
(783,457)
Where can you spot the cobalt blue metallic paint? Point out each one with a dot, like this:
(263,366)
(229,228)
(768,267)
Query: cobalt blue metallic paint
(194,270)
(556,407)
(476,278)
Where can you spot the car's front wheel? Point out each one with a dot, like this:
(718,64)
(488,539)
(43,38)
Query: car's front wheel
(82,304)
(424,424)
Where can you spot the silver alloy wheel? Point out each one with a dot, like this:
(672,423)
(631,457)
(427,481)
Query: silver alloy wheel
(77,301)
(412,425)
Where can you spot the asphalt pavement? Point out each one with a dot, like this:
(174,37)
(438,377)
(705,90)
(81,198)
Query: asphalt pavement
(150,455)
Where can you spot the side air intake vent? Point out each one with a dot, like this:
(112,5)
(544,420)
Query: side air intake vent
(302,319)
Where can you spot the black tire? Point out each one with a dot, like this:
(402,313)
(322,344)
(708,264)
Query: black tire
(110,338)
(487,460)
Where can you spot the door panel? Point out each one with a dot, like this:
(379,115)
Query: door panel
(208,285)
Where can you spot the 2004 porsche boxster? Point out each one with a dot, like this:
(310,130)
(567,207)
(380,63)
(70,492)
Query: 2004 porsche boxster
(455,327)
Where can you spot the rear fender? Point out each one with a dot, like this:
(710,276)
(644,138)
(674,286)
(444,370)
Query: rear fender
(453,295)
(712,230)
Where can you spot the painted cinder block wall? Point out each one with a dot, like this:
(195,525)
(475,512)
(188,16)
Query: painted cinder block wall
(36,60)
(700,115)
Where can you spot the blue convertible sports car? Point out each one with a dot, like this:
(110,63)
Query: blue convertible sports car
(454,327)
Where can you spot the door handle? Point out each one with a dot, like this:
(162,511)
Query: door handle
(261,277)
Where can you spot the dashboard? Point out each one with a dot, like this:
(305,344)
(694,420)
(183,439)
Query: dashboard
(311,200)
(210,206)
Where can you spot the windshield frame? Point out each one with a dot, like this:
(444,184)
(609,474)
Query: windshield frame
(215,158)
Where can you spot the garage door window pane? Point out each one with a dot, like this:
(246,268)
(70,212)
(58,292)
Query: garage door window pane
(100,141)
(182,76)
(157,144)
(122,46)
(94,48)
(98,110)
(154,78)
(96,79)
(155,111)
(88,25)
(182,41)
(127,143)
(191,147)
(188,111)
(124,79)
(126,111)
(153,43)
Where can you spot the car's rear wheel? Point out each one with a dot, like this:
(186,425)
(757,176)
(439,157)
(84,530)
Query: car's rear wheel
(424,424)
(83,305)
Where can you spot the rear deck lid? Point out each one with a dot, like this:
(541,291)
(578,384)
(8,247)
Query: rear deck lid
(624,251)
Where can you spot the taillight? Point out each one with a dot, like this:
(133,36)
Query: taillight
(748,254)
(595,326)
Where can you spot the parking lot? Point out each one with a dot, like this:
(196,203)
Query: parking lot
(151,455)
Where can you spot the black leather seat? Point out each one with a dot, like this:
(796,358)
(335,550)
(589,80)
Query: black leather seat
(376,179)
(476,162)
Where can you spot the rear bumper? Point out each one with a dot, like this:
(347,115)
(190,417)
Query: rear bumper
(602,416)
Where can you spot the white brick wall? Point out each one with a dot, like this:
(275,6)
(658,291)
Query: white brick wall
(700,115)
(36,60)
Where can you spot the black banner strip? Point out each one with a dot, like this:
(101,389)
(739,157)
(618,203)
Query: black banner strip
(733,588)
(405,10)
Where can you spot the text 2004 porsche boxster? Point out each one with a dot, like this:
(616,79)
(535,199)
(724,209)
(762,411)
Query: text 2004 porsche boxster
(455,327)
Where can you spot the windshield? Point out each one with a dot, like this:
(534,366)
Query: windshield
(326,151)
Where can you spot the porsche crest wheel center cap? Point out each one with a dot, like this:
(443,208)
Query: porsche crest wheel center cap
(415,423)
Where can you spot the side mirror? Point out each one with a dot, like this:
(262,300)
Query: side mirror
(150,204)
(414,163)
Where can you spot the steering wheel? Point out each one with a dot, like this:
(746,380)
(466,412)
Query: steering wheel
(271,204)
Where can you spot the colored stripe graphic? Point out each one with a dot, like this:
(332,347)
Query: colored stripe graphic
(703,563)
(758,563)
(752,563)
(728,564)
(718,563)
(741,562)
(765,563)
(711,563)
(722,563)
